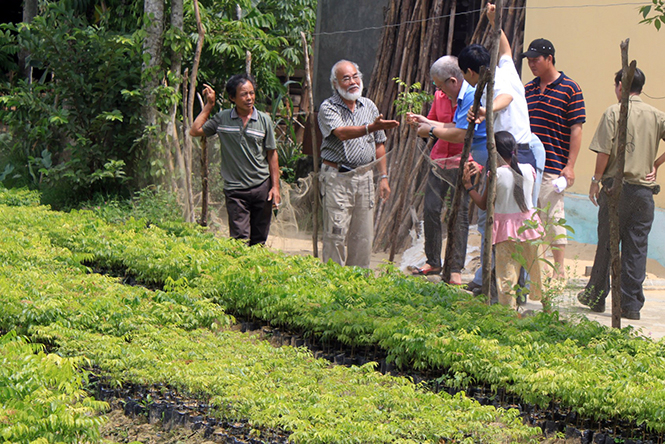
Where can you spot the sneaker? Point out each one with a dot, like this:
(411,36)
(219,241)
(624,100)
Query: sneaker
(472,287)
(630,314)
(595,303)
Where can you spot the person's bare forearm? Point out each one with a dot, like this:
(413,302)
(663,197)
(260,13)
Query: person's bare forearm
(273,167)
(602,160)
(381,157)
(449,134)
(659,161)
(197,126)
(575,144)
(353,132)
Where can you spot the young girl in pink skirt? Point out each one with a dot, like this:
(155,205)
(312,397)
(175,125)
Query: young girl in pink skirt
(513,206)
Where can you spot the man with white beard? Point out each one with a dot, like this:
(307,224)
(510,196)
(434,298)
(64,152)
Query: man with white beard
(353,137)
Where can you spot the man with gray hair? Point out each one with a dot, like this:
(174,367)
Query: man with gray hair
(353,139)
(449,79)
(445,159)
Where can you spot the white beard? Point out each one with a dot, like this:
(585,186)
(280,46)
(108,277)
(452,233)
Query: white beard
(346,95)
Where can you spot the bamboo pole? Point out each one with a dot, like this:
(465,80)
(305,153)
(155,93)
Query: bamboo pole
(315,153)
(614,193)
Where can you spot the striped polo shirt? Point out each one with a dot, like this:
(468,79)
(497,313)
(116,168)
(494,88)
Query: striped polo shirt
(552,114)
(335,114)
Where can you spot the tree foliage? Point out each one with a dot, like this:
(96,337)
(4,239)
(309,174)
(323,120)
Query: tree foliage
(77,130)
(657,11)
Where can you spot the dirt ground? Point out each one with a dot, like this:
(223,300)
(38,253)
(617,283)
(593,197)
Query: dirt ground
(578,256)
(127,429)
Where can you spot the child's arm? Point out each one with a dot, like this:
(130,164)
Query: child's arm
(470,170)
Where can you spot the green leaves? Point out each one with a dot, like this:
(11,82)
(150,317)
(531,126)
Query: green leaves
(86,118)
(42,397)
(49,294)
(411,98)
(658,10)
(178,338)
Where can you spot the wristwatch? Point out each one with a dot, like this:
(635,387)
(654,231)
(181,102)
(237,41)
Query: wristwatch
(594,180)
(431,133)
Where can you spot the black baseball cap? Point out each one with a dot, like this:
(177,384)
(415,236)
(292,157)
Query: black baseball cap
(539,47)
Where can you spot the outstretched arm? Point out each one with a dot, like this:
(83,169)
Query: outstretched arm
(353,132)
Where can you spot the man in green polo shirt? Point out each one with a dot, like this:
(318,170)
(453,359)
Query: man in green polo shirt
(249,158)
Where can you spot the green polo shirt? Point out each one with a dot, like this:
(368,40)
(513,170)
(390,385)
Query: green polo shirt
(243,150)
(646,128)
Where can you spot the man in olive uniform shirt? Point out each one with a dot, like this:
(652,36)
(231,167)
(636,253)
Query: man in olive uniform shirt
(646,128)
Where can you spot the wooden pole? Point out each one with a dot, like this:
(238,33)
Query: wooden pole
(451,27)
(491,153)
(614,193)
(204,182)
(459,186)
(188,118)
(315,153)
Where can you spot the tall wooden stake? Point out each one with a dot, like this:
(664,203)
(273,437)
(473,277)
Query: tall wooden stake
(451,27)
(491,153)
(459,186)
(315,153)
(188,118)
(614,193)
(204,182)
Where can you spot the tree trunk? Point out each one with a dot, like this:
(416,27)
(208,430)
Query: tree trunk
(30,10)
(152,48)
(188,119)
(177,15)
(614,193)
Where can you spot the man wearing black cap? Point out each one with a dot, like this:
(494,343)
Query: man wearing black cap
(556,113)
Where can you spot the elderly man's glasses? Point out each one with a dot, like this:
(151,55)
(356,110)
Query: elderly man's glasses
(357,76)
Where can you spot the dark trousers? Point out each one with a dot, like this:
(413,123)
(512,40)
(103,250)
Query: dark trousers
(249,213)
(636,212)
(525,155)
(435,194)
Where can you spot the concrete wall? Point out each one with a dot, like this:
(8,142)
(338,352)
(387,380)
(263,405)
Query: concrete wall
(587,41)
(582,216)
(336,17)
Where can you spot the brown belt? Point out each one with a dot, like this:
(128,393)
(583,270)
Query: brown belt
(331,164)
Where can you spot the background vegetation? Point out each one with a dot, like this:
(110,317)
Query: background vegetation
(74,106)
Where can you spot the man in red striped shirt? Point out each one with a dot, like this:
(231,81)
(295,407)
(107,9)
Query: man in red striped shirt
(556,114)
